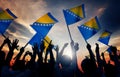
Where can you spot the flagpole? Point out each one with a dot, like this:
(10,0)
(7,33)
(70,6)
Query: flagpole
(69,33)
(86,41)
(3,35)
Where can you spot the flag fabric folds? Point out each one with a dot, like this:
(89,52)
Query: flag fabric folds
(89,28)
(42,26)
(6,17)
(74,15)
(105,37)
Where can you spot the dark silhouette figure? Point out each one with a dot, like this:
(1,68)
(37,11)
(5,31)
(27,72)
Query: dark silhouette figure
(65,66)
(100,72)
(114,57)
(89,64)
(2,56)
(19,64)
(12,45)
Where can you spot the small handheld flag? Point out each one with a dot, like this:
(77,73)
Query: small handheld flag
(42,26)
(6,17)
(74,15)
(105,37)
(89,28)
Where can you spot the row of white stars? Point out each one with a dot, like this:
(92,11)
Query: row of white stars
(73,14)
(85,27)
(5,20)
(43,24)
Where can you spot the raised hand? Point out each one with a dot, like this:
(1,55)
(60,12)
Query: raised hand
(20,53)
(56,48)
(88,46)
(96,44)
(97,48)
(42,46)
(102,54)
(65,45)
(76,46)
(61,52)
(72,43)
(22,49)
(35,48)
(15,44)
(7,40)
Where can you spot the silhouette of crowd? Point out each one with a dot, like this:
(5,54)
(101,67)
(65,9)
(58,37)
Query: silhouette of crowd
(57,66)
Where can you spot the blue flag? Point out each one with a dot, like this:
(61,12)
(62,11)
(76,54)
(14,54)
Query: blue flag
(74,14)
(37,38)
(105,37)
(89,28)
(42,26)
(6,17)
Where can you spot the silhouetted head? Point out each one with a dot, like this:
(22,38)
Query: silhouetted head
(113,49)
(65,61)
(87,65)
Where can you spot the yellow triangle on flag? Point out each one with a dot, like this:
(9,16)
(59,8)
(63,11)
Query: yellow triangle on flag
(104,34)
(5,15)
(46,42)
(79,11)
(45,19)
(92,24)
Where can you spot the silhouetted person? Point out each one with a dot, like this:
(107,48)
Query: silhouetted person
(12,45)
(63,62)
(76,70)
(49,66)
(66,66)
(89,64)
(40,60)
(19,64)
(2,55)
(99,62)
(114,57)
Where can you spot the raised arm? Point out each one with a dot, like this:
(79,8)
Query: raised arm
(14,45)
(98,55)
(6,41)
(35,50)
(62,50)
(19,54)
(40,53)
(92,57)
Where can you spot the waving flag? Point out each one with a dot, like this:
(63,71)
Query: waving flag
(6,17)
(42,26)
(89,28)
(105,37)
(74,15)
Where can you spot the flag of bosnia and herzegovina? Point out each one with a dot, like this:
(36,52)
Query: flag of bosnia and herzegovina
(74,14)
(105,37)
(42,26)
(89,28)
(6,17)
